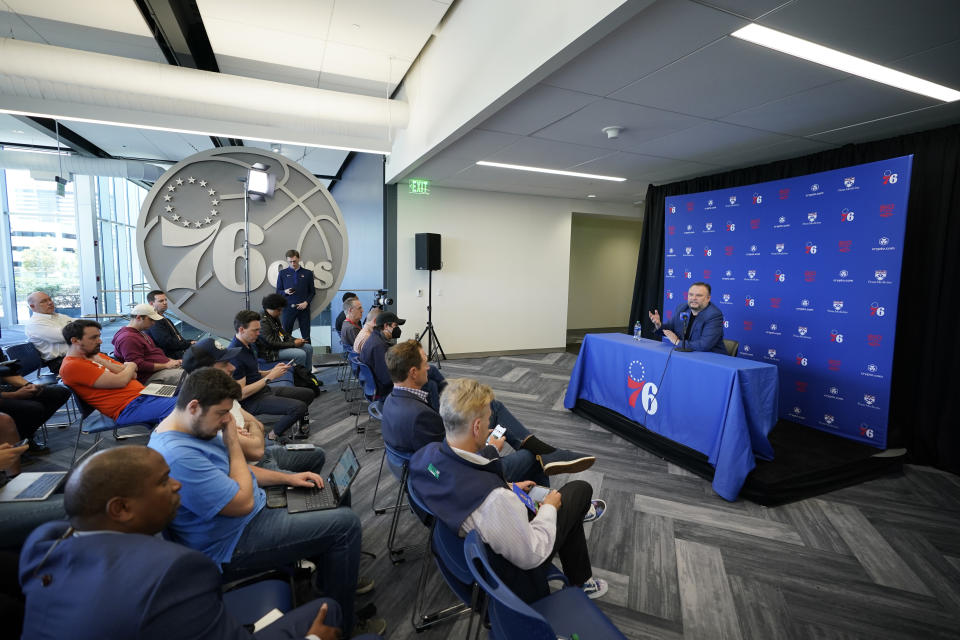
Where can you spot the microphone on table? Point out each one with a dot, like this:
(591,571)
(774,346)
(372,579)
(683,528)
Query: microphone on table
(685,317)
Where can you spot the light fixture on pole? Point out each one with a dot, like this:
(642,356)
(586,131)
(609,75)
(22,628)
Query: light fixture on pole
(257,185)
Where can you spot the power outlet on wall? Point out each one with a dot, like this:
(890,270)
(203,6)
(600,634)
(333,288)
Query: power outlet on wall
(419,293)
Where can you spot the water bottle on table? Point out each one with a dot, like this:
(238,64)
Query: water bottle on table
(636,330)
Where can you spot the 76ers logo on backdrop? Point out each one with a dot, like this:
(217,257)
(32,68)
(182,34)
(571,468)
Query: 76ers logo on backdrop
(889,177)
(645,391)
(673,208)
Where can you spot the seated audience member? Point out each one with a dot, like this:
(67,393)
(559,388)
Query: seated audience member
(163,331)
(222,511)
(410,423)
(274,344)
(44,329)
(367,330)
(132,344)
(106,574)
(704,327)
(467,491)
(105,384)
(29,405)
(258,398)
(338,323)
(385,328)
(353,312)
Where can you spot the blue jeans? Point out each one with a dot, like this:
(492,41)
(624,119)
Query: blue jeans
(302,356)
(286,380)
(19,519)
(146,409)
(330,539)
(278,458)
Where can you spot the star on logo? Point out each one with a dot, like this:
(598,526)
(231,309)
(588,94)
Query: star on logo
(206,220)
(213,212)
(212,192)
(171,188)
(186,223)
(214,202)
(191,179)
(179,181)
(203,183)
(168,209)
(196,224)
(176,217)
(167,198)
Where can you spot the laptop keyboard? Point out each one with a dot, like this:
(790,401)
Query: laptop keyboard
(167,390)
(40,486)
(317,498)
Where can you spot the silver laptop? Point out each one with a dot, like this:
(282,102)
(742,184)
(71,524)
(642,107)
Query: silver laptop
(163,390)
(301,499)
(30,486)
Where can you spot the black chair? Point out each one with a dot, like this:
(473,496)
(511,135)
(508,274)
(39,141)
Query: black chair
(732,347)
(31,361)
(94,422)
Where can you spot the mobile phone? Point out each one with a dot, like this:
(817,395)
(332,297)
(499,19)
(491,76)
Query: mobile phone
(498,432)
(22,442)
(525,499)
(538,493)
(300,446)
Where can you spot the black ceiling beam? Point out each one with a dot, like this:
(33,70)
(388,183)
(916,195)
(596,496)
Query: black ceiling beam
(177,26)
(77,143)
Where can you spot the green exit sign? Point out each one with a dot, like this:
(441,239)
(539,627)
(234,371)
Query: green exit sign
(420,187)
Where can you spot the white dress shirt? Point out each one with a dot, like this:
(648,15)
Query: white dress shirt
(501,521)
(45,331)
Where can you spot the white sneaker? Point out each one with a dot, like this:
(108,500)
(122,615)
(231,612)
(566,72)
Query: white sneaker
(595,588)
(597,507)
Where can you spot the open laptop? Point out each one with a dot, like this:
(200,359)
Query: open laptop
(163,390)
(30,486)
(301,499)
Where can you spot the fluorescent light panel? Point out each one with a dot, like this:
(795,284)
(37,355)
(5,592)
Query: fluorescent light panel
(843,62)
(572,174)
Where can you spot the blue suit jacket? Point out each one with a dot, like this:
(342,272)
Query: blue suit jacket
(706,333)
(409,423)
(128,585)
(301,281)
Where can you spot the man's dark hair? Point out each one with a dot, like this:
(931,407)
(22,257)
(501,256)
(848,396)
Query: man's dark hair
(702,284)
(273,301)
(120,471)
(402,357)
(347,296)
(208,386)
(292,253)
(76,329)
(244,318)
(153,295)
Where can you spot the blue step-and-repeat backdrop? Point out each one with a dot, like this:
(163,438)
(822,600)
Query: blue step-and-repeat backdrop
(806,272)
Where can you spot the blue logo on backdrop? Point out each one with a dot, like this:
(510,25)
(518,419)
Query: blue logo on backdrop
(833,332)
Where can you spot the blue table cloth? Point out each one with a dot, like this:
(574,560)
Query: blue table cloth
(722,407)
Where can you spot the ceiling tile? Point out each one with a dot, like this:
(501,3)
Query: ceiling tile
(77,36)
(537,108)
(840,104)
(645,43)
(747,8)
(396,29)
(640,124)
(708,140)
(16,132)
(111,15)
(790,148)
(546,153)
(711,83)
(316,160)
(934,117)
(938,64)
(635,165)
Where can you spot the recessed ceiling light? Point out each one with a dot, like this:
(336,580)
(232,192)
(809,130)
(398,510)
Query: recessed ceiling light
(16,131)
(843,62)
(591,195)
(572,174)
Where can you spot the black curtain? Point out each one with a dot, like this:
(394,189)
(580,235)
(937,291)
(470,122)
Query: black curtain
(927,351)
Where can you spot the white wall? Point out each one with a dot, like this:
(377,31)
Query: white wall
(603,267)
(503,285)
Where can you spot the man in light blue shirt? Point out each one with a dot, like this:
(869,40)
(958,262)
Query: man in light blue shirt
(222,507)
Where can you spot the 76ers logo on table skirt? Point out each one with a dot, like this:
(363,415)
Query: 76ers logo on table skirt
(645,391)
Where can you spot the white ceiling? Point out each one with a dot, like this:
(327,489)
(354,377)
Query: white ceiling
(692,100)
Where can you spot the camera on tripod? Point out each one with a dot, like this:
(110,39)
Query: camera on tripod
(380,299)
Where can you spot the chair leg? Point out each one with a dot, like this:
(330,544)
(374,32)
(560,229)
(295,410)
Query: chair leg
(421,620)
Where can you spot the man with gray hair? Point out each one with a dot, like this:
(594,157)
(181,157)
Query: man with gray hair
(44,327)
(353,312)
(462,484)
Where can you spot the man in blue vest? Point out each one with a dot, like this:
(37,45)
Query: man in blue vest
(296,284)
(703,321)
(461,482)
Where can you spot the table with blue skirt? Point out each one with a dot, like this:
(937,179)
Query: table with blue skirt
(720,406)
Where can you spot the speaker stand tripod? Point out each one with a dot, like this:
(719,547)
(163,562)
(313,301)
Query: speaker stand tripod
(434,350)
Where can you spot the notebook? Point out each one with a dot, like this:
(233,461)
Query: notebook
(30,486)
(301,499)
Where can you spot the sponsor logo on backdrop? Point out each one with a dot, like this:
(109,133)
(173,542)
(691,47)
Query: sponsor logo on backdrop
(779,276)
(874,339)
(732,202)
(669,295)
(751,274)
(828,421)
(846,215)
(849,184)
(844,246)
(802,332)
(707,273)
(670,273)
(726,324)
(869,402)
(753,250)
(809,276)
(725,298)
(688,251)
(708,228)
(773,330)
(707,252)
(800,385)
(731,226)
(771,355)
(810,249)
(872,371)
(784,194)
(867,431)
(670,253)
(889,177)
(837,307)
(673,208)
(641,389)
(886,210)
(836,337)
(805,305)
(834,365)
(775,303)
(781,223)
(689,230)
(883,244)
(728,275)
(728,250)
(671,230)
(814,191)
(750,301)
(812,218)
(833,393)
(796,413)
(802,361)
(755,223)
(843,277)
(779,249)
(711,205)
(690,206)
(688,274)
(877,311)
(748,325)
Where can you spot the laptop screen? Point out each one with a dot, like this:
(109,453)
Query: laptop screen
(345,470)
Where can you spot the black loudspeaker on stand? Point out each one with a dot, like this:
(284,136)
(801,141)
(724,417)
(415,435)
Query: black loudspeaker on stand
(428,258)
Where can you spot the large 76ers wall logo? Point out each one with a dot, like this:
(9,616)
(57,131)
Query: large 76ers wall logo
(191,232)
(645,391)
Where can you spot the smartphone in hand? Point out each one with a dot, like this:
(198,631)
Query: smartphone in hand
(497,433)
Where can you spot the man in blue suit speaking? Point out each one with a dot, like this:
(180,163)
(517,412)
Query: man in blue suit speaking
(704,326)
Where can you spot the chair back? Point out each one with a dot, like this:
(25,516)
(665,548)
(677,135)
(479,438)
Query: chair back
(419,508)
(447,549)
(30,359)
(354,361)
(510,617)
(732,347)
(367,380)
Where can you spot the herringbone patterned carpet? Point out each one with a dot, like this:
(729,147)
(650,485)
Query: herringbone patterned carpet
(878,560)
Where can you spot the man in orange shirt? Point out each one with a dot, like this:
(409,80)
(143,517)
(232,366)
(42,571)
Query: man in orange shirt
(105,384)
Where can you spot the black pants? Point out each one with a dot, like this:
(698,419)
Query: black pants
(302,316)
(279,401)
(571,543)
(30,413)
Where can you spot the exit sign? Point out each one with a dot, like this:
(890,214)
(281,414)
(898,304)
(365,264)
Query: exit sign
(419,187)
